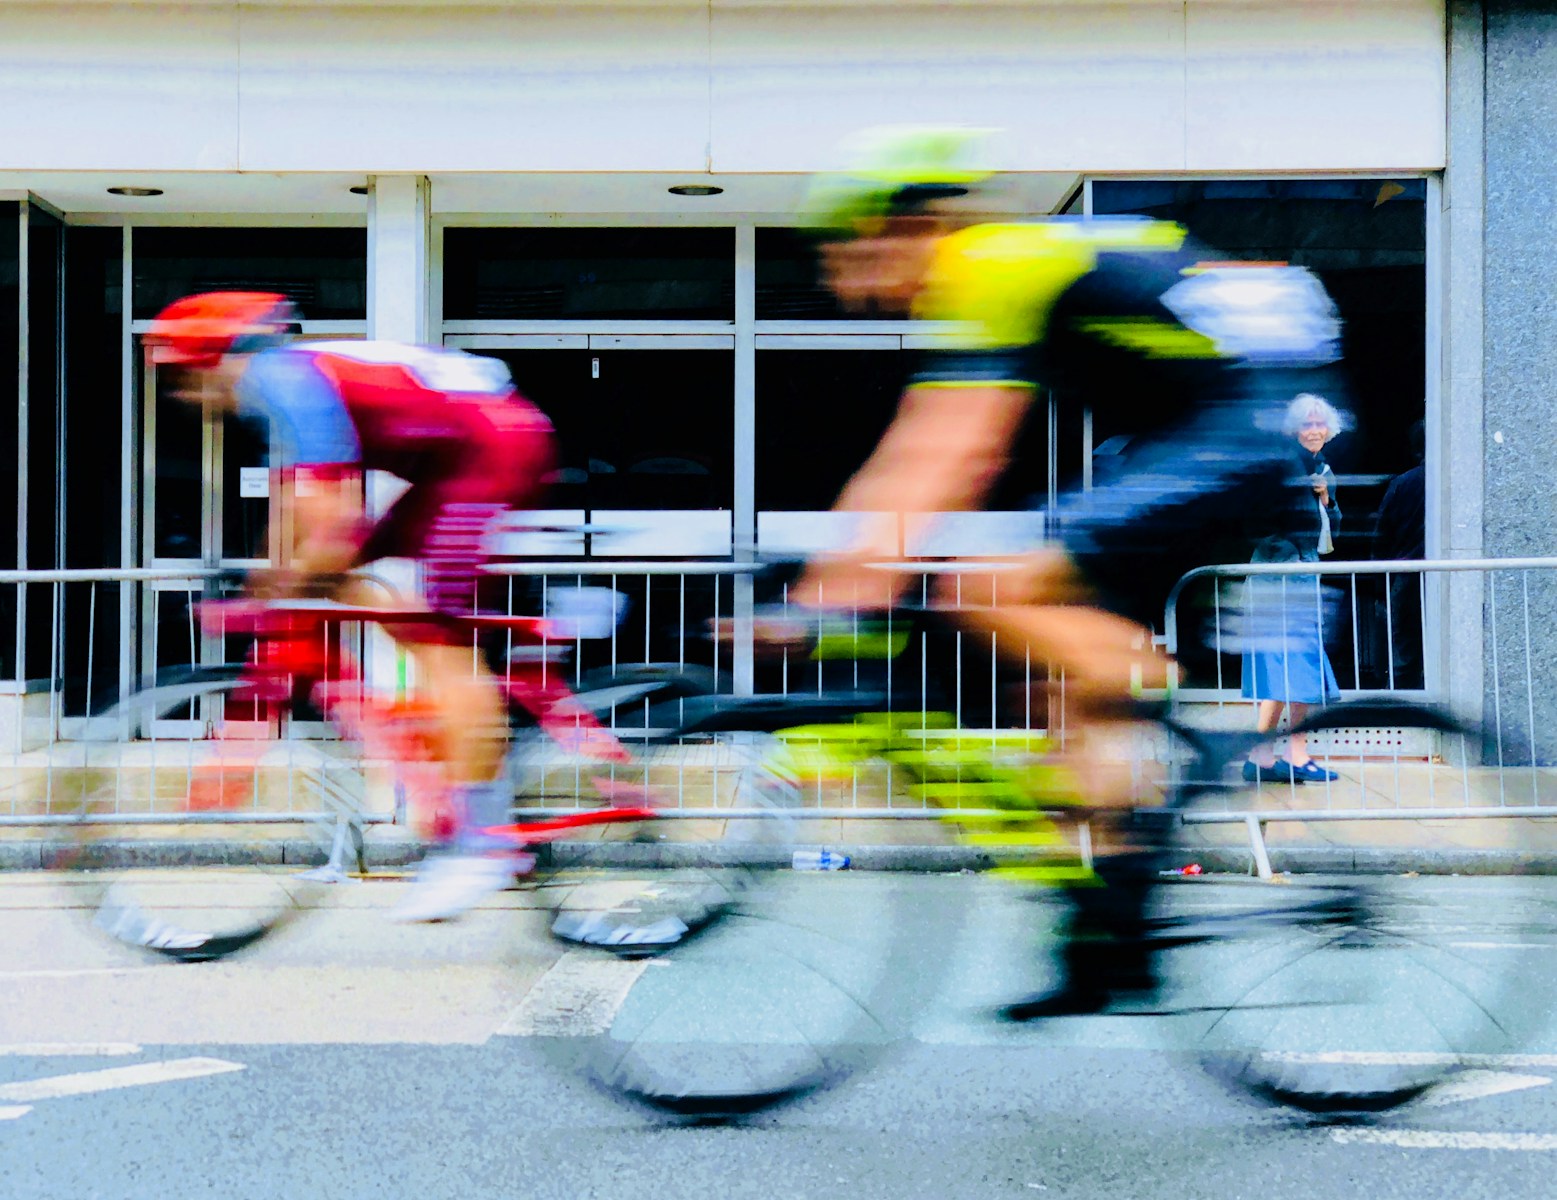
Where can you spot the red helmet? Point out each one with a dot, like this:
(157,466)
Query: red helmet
(198,330)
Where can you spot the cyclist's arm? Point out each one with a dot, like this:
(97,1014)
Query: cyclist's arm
(327,527)
(943,452)
(319,481)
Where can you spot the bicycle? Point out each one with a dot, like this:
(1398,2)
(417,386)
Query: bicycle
(1337,999)
(189,911)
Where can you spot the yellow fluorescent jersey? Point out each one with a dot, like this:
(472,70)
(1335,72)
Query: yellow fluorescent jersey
(1109,303)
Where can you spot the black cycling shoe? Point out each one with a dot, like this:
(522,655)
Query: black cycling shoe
(1068,1000)
(1095,976)
(1108,949)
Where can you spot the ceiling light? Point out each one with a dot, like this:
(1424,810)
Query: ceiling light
(360,190)
(134,191)
(695,189)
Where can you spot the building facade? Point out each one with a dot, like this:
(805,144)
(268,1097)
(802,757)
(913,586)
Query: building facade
(524,180)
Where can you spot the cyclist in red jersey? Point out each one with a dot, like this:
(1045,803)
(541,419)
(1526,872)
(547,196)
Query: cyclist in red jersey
(448,423)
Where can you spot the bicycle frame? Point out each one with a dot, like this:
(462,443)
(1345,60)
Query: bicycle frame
(291,662)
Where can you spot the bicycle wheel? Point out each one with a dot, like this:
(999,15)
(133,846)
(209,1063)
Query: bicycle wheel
(731,982)
(140,854)
(1344,994)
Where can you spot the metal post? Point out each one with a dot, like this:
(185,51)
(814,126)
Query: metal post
(1257,845)
(744,516)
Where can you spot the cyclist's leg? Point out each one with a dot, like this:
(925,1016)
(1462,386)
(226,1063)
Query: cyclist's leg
(447,529)
(1042,611)
(1086,610)
(498,469)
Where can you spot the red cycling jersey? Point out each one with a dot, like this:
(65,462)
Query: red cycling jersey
(448,423)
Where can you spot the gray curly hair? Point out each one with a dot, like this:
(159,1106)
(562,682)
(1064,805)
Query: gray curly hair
(1307,406)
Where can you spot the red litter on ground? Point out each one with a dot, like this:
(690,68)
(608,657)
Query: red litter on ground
(1192,869)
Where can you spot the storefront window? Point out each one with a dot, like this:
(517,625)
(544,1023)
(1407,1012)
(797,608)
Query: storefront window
(324,271)
(1366,240)
(10,363)
(94,304)
(820,413)
(94,447)
(575,274)
(789,281)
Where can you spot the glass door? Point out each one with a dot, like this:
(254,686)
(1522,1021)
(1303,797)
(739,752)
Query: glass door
(646,441)
(207,504)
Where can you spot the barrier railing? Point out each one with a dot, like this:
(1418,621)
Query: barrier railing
(97,632)
(84,639)
(1384,631)
(959,677)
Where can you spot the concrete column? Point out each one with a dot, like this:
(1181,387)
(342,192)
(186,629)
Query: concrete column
(1518,433)
(399,230)
(1455,442)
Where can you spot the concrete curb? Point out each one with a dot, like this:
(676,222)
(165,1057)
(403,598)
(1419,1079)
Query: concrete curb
(391,850)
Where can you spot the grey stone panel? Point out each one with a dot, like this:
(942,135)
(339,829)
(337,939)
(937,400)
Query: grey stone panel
(1520,367)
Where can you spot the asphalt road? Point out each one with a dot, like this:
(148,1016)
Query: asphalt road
(354,1058)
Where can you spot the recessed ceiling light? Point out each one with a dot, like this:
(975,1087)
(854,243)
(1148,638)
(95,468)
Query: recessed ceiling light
(134,191)
(695,189)
(360,190)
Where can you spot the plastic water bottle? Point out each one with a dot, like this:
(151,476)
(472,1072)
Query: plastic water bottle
(819,860)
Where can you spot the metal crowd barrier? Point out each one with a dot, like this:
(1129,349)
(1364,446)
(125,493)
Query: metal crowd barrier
(84,636)
(85,639)
(1382,636)
(671,607)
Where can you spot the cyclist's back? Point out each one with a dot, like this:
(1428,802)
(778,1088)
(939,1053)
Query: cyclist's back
(1177,354)
(450,424)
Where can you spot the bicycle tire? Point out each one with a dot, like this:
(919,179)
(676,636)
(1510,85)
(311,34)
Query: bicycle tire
(183,900)
(745,984)
(1341,997)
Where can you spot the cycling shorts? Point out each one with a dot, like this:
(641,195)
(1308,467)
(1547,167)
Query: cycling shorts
(445,519)
(1183,496)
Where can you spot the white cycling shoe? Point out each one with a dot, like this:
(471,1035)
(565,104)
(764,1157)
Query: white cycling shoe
(449,885)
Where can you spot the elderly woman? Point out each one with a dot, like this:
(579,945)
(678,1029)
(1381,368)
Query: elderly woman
(1286,666)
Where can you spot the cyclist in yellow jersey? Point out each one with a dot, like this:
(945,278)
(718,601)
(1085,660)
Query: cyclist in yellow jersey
(1191,355)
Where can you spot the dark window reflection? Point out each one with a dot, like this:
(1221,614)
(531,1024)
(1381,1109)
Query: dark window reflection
(10,362)
(180,490)
(245,459)
(789,281)
(820,413)
(528,274)
(324,271)
(94,446)
(45,283)
(648,429)
(1366,239)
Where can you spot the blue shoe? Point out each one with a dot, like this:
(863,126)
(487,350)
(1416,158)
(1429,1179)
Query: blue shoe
(1309,772)
(1280,772)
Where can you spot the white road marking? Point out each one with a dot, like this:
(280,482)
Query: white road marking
(578,997)
(1427,1139)
(1503,946)
(68,1049)
(71,972)
(86,1082)
(10,1112)
(1478,1085)
(1380,1058)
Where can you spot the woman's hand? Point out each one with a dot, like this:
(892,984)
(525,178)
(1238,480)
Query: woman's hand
(1322,490)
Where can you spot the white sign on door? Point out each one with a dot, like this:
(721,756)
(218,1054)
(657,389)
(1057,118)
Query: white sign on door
(254,483)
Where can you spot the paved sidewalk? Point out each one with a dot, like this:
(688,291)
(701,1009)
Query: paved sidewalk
(915,841)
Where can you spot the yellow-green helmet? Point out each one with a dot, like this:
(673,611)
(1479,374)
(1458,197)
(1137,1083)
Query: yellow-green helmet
(899,170)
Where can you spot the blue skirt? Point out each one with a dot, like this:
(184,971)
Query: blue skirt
(1285,659)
